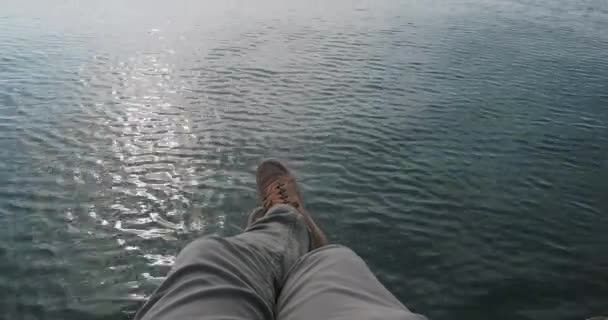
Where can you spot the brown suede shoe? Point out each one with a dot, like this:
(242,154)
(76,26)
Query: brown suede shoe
(276,185)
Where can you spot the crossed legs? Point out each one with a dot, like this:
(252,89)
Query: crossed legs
(268,272)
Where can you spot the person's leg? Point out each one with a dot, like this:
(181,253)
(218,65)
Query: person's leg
(335,283)
(232,278)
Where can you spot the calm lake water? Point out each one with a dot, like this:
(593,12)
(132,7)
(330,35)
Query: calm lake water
(460,147)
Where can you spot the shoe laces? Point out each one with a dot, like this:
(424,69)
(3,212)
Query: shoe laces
(276,193)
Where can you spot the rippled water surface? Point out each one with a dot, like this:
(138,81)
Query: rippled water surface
(460,147)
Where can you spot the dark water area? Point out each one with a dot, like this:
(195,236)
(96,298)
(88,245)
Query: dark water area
(460,147)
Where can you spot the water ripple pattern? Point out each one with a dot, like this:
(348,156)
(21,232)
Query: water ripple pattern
(460,147)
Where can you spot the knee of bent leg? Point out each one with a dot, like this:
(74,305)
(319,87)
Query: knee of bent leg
(201,249)
(334,249)
(336,252)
